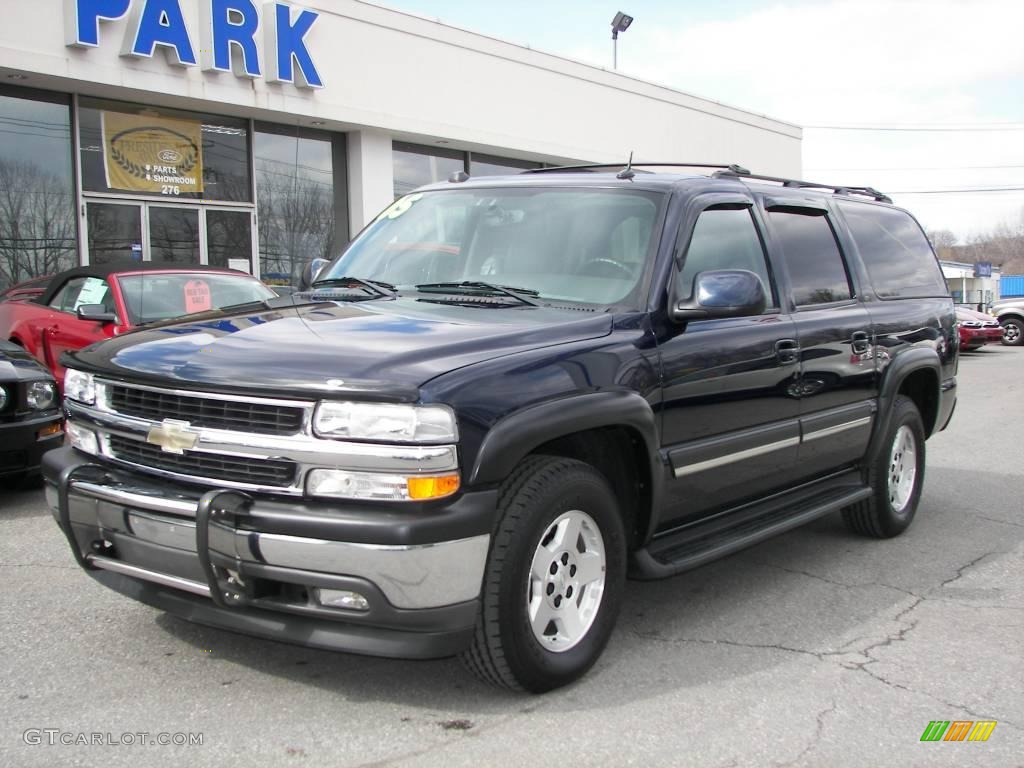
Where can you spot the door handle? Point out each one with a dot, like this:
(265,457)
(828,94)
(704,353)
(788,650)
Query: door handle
(787,351)
(860,342)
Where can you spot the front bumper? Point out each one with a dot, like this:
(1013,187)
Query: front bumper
(22,448)
(252,564)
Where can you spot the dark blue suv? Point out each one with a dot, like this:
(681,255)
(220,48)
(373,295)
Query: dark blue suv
(504,396)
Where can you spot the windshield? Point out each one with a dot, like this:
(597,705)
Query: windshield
(585,246)
(160,296)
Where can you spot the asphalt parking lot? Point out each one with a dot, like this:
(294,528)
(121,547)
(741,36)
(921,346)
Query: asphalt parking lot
(817,648)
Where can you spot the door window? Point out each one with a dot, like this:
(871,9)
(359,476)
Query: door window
(115,232)
(724,238)
(174,234)
(816,268)
(83,290)
(229,239)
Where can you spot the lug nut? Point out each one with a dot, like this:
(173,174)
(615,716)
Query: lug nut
(568,592)
(554,568)
(558,601)
(551,588)
(565,558)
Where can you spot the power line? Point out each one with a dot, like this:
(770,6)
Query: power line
(953,191)
(925,128)
(932,168)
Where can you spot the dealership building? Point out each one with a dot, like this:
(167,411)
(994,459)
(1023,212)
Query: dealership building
(259,135)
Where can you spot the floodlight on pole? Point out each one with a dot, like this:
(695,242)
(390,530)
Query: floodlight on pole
(620,23)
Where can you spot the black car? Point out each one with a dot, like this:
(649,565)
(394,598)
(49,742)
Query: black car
(30,416)
(504,395)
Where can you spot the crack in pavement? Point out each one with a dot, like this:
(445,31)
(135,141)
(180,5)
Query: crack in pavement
(995,520)
(659,638)
(814,739)
(844,584)
(961,569)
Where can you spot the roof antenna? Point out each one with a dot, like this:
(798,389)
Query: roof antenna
(627,172)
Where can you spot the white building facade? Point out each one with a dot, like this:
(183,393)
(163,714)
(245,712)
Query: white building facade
(260,135)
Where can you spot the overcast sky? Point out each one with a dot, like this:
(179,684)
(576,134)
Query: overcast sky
(898,64)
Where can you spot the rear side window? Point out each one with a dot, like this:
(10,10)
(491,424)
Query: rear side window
(895,251)
(816,268)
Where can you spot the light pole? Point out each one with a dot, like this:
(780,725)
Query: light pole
(620,23)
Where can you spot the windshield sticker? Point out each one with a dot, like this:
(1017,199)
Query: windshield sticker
(197,296)
(400,206)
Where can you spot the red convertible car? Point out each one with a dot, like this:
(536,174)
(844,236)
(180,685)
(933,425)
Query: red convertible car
(28,289)
(89,304)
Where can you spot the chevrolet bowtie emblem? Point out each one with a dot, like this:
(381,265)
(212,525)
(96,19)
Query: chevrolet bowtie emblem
(173,436)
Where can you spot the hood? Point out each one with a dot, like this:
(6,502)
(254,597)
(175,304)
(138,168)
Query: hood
(385,348)
(972,315)
(18,365)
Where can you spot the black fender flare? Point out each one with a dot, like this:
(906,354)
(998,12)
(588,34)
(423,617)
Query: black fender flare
(895,374)
(513,437)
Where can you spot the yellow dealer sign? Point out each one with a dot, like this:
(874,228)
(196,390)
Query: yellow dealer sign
(152,154)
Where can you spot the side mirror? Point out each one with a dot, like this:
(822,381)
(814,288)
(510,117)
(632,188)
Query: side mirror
(95,312)
(310,272)
(721,293)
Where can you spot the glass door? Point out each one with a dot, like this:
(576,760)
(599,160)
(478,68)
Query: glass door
(173,234)
(115,232)
(229,239)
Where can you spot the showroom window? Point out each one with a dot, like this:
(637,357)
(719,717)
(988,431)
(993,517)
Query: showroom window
(133,149)
(38,234)
(416,165)
(488,165)
(302,208)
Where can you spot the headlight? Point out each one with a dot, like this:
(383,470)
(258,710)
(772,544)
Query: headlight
(41,395)
(342,484)
(3,398)
(386,422)
(81,438)
(79,386)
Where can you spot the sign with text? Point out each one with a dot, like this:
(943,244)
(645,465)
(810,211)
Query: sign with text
(227,35)
(152,154)
(197,296)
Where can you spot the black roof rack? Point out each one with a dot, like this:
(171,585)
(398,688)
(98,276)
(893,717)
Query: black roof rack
(798,184)
(724,170)
(632,166)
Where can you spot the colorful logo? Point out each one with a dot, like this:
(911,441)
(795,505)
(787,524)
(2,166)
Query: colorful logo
(958,730)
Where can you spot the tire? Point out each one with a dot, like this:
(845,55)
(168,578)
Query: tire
(533,569)
(895,476)
(1013,331)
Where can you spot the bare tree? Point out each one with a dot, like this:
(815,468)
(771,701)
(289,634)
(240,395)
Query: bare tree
(37,222)
(1003,246)
(296,221)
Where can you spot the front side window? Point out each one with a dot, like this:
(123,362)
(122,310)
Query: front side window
(816,268)
(83,290)
(723,238)
(568,245)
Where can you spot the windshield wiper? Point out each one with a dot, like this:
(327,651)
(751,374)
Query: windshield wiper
(377,286)
(476,286)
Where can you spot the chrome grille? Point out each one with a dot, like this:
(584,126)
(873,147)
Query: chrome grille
(235,415)
(278,473)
